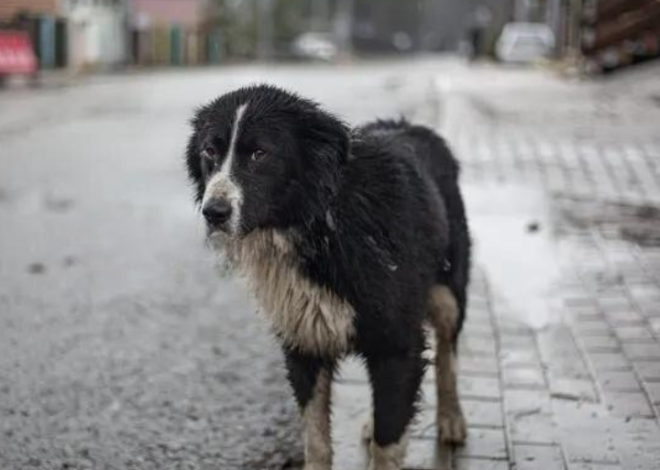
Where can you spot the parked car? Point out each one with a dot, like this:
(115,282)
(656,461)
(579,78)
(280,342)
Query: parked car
(525,42)
(316,46)
(16,55)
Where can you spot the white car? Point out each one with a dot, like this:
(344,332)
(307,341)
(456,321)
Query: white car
(318,46)
(525,42)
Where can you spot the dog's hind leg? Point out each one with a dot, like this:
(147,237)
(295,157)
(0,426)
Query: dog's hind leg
(396,381)
(311,379)
(443,313)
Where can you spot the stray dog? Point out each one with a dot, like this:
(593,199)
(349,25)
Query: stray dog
(351,240)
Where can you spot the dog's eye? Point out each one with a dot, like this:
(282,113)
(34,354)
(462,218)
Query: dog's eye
(209,152)
(257,155)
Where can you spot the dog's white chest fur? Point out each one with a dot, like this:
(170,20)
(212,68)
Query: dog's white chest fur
(306,316)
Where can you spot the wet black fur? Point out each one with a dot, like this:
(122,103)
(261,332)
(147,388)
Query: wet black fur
(375,215)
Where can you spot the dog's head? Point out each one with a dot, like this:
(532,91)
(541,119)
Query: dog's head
(261,157)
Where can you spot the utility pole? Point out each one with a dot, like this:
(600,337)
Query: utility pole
(344,26)
(319,19)
(265,29)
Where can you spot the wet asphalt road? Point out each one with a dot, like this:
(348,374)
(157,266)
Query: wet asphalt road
(121,345)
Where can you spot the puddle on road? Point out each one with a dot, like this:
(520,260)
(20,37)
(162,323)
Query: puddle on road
(638,224)
(512,235)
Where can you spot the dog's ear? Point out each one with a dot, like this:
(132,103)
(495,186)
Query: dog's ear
(326,142)
(326,137)
(193,160)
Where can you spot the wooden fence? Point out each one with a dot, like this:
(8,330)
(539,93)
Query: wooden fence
(617,33)
(173,45)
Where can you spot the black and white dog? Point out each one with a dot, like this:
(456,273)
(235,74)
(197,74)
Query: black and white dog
(351,240)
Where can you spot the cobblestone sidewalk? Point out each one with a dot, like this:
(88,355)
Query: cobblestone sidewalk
(567,380)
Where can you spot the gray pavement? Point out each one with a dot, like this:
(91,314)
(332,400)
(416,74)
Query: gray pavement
(122,346)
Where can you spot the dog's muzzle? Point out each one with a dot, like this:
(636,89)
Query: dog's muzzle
(217,213)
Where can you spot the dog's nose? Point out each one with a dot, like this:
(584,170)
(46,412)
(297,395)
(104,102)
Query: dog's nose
(217,211)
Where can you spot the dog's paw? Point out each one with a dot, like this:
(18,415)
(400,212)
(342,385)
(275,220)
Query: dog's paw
(389,466)
(452,428)
(317,466)
(390,457)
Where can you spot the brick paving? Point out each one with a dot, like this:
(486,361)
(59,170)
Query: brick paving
(580,391)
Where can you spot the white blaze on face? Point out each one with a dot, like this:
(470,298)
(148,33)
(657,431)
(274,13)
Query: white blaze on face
(222,184)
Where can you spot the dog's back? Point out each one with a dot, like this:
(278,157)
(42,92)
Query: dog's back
(436,160)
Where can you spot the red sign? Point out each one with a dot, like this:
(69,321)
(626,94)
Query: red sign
(16,53)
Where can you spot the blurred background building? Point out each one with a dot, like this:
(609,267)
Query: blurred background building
(95,32)
(106,34)
(165,32)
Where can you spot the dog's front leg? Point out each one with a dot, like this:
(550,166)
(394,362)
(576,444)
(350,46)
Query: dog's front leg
(396,381)
(311,379)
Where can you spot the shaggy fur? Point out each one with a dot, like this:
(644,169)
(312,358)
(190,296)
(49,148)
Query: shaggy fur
(302,313)
(351,240)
